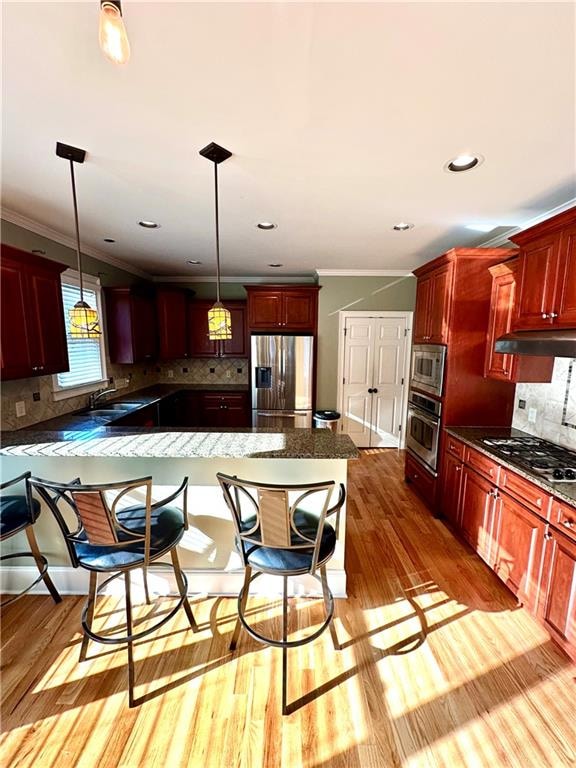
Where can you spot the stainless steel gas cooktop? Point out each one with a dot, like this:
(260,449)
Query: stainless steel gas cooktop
(551,462)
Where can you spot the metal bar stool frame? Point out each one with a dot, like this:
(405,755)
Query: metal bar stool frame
(106,526)
(28,527)
(288,536)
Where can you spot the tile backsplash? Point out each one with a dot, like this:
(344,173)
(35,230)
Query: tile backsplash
(550,409)
(127,378)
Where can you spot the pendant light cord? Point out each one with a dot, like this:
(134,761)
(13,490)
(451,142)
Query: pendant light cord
(217,233)
(78,254)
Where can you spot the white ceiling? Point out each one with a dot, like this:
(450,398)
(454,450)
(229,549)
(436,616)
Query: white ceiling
(340,117)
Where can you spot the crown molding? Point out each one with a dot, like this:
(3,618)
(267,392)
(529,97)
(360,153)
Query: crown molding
(505,237)
(69,242)
(364,272)
(262,279)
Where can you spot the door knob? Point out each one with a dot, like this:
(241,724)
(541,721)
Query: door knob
(375,391)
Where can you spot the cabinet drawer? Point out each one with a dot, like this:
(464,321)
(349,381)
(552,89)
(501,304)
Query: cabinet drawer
(455,447)
(482,464)
(529,494)
(564,517)
(422,481)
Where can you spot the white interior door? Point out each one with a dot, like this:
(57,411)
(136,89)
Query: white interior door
(373,380)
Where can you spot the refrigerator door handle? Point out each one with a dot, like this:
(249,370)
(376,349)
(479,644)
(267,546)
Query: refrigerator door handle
(287,414)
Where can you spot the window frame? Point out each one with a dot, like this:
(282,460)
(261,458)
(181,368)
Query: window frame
(72,277)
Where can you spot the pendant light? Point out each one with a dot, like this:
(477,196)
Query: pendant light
(219,319)
(112,32)
(83,319)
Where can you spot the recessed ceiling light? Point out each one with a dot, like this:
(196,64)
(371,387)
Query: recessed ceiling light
(109,240)
(149,224)
(266,225)
(481,227)
(402,226)
(463,163)
(275,265)
(39,252)
(193,261)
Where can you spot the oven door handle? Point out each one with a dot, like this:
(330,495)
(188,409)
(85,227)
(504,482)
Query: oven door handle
(425,419)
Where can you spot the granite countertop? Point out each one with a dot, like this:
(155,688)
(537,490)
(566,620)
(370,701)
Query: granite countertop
(160,442)
(473,437)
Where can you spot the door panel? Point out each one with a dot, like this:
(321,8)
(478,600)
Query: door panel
(357,416)
(566,296)
(358,366)
(538,269)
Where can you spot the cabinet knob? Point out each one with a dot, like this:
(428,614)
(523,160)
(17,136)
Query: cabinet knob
(548,536)
(458,469)
(568,523)
(545,315)
(552,315)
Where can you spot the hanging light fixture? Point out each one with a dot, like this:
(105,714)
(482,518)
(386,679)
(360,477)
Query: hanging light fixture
(83,319)
(112,32)
(219,319)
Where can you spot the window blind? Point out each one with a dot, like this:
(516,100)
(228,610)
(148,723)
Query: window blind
(84,355)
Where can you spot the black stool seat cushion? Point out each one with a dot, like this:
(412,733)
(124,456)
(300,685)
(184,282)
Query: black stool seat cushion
(15,514)
(166,529)
(291,560)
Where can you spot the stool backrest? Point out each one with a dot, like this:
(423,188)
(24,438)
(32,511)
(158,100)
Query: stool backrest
(94,509)
(265,514)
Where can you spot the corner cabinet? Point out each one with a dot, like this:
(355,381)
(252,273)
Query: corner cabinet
(199,343)
(33,326)
(131,324)
(283,308)
(547,274)
(504,367)
(433,294)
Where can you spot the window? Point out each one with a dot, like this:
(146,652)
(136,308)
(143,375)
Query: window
(86,356)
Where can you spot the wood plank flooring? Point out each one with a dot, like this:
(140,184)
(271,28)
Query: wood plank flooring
(439,667)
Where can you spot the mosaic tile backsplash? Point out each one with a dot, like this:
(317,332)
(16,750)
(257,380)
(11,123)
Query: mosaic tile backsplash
(127,378)
(550,410)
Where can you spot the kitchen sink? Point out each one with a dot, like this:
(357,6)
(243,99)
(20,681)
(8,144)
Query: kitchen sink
(108,412)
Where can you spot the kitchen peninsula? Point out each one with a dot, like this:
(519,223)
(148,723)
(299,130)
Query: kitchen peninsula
(82,445)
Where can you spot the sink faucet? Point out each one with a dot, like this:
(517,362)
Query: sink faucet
(93,397)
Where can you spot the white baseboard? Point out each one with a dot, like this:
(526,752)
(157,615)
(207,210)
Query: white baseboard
(74,581)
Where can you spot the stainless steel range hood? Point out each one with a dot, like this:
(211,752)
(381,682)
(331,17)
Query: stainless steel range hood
(552,343)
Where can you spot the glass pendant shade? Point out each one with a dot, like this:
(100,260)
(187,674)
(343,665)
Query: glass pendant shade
(219,323)
(84,322)
(112,33)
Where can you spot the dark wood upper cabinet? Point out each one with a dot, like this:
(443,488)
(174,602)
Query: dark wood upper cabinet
(33,326)
(547,274)
(284,308)
(172,315)
(131,324)
(433,295)
(514,368)
(199,343)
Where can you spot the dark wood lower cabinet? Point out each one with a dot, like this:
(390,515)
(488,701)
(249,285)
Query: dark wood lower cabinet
(451,488)
(558,606)
(224,409)
(422,481)
(477,512)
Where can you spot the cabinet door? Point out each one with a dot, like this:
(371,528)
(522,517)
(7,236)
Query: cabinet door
(559,580)
(200,344)
(299,311)
(421,312)
(143,327)
(47,333)
(518,557)
(441,285)
(451,488)
(238,344)
(566,291)
(16,361)
(264,310)
(220,409)
(538,269)
(477,515)
(421,480)
(497,365)
(172,322)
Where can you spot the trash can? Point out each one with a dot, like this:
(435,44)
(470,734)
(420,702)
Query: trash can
(326,420)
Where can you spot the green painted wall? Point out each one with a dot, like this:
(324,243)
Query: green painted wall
(352,294)
(18,237)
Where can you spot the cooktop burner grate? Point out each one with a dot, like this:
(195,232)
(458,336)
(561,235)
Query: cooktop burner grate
(547,460)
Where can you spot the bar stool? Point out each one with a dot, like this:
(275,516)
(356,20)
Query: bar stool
(109,538)
(276,534)
(19,512)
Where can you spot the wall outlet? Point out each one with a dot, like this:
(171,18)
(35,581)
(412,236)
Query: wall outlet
(238,370)
(532,413)
(20,408)
(522,404)
(170,373)
(35,396)
(228,374)
(212,370)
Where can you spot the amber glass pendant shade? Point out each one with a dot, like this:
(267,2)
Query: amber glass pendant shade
(219,323)
(84,322)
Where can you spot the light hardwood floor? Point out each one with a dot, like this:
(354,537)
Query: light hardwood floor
(439,667)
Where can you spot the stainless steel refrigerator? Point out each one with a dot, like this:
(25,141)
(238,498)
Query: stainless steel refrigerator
(282,381)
